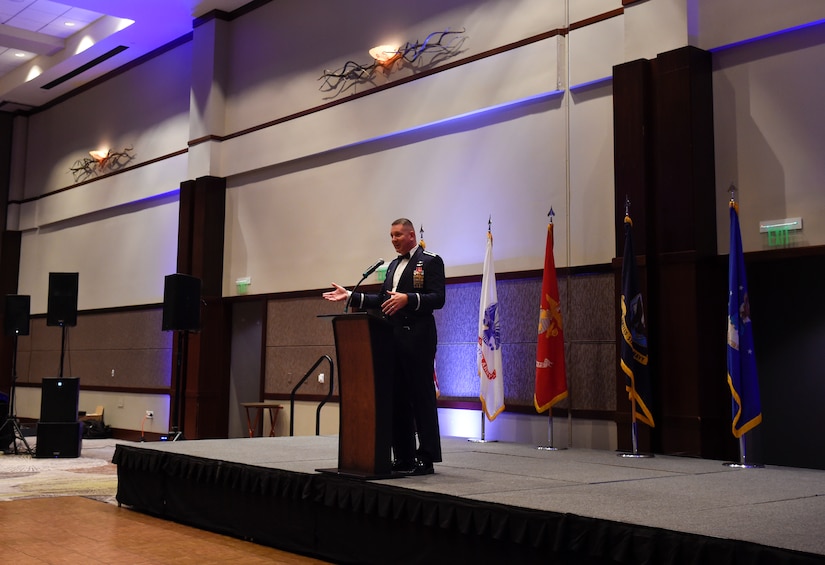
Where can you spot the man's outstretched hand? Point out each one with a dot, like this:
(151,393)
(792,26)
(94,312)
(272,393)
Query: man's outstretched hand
(337,294)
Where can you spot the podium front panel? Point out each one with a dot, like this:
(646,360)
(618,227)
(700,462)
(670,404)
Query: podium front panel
(363,346)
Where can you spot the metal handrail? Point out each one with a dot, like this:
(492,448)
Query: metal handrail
(321,405)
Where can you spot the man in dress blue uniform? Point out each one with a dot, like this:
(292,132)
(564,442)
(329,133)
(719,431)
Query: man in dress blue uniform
(414,287)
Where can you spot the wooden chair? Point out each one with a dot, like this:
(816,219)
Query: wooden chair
(96,415)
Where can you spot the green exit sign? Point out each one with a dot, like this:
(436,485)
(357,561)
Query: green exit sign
(779,231)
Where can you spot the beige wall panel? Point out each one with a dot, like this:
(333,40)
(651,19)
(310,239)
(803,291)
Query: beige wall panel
(715,24)
(121,256)
(134,109)
(594,49)
(769,135)
(655,27)
(308,225)
(135,187)
(592,238)
(506,78)
(584,9)
(285,79)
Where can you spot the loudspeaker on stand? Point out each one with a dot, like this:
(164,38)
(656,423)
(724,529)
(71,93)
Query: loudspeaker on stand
(181,303)
(62,306)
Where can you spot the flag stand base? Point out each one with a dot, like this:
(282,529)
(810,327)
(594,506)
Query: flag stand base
(635,455)
(634,438)
(742,463)
(550,446)
(736,465)
(483,438)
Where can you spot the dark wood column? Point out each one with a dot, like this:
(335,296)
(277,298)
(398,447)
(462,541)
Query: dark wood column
(669,115)
(633,104)
(205,411)
(9,275)
(9,248)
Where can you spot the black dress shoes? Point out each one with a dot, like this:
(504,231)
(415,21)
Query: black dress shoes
(403,467)
(424,468)
(412,469)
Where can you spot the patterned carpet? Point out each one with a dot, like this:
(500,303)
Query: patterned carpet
(91,475)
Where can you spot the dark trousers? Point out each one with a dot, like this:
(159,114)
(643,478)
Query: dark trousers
(414,401)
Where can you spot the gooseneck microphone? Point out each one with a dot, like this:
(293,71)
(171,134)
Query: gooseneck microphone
(367,273)
(372,268)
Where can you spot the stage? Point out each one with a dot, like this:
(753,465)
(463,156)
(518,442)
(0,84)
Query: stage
(487,502)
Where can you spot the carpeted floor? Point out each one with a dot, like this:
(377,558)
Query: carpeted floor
(92,475)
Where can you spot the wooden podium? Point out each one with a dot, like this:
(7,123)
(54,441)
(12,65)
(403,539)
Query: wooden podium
(363,344)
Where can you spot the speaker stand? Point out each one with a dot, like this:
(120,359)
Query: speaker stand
(178,407)
(11,418)
(62,347)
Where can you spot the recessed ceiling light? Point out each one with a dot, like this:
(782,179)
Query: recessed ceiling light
(68,24)
(19,54)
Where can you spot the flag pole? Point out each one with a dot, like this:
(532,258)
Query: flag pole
(634,430)
(550,446)
(742,463)
(483,438)
(634,424)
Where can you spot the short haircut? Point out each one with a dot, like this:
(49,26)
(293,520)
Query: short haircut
(404,222)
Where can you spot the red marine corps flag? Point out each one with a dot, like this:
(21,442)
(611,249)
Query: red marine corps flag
(551,376)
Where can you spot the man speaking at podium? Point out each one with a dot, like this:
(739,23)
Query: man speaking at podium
(414,287)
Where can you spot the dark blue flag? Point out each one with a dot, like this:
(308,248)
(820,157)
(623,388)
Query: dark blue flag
(634,335)
(742,378)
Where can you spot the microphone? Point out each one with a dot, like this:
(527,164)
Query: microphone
(372,268)
(367,273)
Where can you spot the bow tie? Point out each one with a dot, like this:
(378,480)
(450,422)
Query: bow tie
(404,256)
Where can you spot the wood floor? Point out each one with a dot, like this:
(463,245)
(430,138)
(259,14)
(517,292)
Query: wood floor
(72,530)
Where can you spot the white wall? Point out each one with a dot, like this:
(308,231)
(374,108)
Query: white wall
(121,411)
(118,232)
(770,134)
(508,136)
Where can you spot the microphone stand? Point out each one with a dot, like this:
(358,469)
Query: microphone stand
(367,273)
(349,298)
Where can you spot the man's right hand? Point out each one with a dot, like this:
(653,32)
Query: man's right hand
(337,294)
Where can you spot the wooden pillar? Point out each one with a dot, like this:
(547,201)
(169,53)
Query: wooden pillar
(200,254)
(671,112)
(9,247)
(9,275)
(633,102)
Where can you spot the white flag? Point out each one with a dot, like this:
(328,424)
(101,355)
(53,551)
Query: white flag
(489,340)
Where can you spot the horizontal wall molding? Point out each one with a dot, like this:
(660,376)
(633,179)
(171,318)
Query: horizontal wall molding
(101,177)
(129,186)
(119,390)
